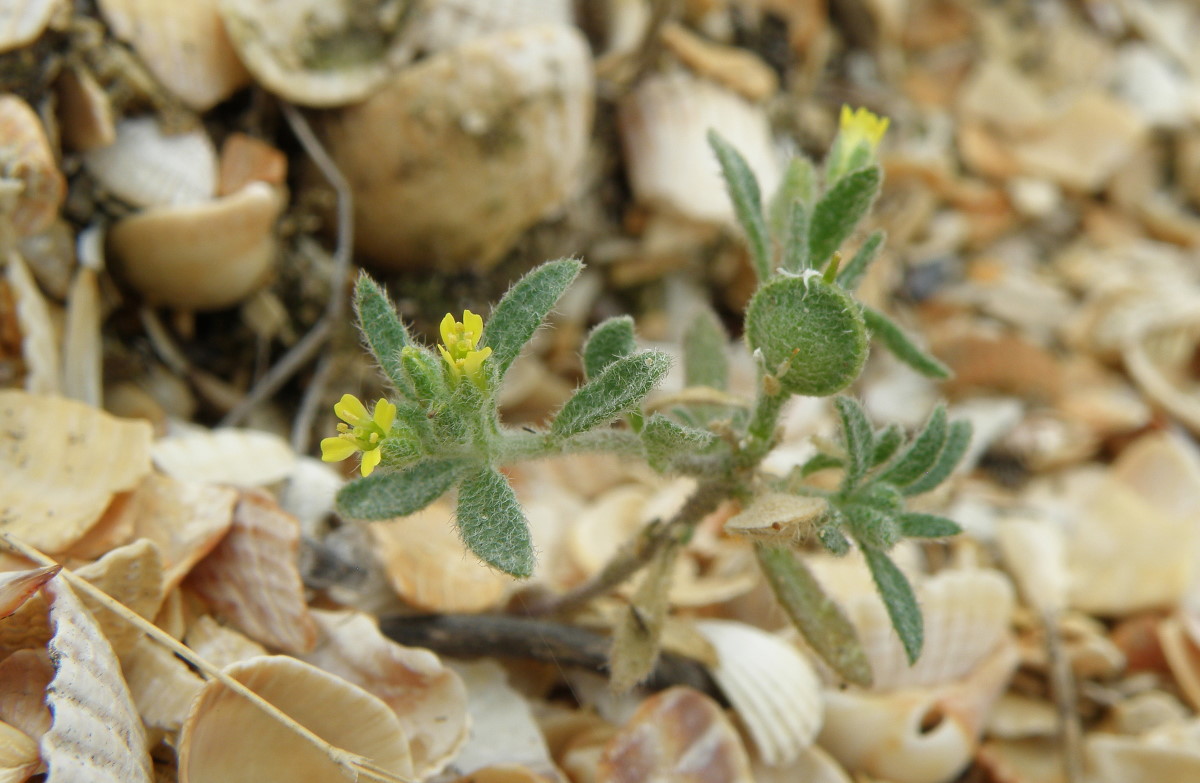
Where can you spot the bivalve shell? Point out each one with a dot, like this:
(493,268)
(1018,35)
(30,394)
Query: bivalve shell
(455,156)
(22,21)
(26,156)
(149,168)
(445,24)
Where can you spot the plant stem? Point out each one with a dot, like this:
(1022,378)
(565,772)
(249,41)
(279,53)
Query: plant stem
(760,434)
(637,553)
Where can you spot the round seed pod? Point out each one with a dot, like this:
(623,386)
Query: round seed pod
(812,329)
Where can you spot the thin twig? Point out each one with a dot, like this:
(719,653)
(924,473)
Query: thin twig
(309,403)
(303,351)
(1062,687)
(361,766)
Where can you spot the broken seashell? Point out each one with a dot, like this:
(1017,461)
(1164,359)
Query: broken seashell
(161,684)
(1164,754)
(679,735)
(1034,552)
(778,517)
(1158,352)
(149,168)
(738,69)
(813,765)
(39,336)
(452,158)
(770,684)
(663,123)
(426,564)
(184,45)
(17,586)
(200,256)
(1183,656)
(22,22)
(245,159)
(237,457)
(85,113)
(251,578)
(446,24)
(65,461)
(219,644)
(24,676)
(923,735)
(317,53)
(27,160)
(226,739)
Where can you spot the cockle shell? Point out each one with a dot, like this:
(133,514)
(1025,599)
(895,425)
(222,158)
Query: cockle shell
(916,735)
(663,123)
(771,686)
(183,44)
(27,159)
(147,167)
(316,52)
(452,158)
(226,739)
(203,256)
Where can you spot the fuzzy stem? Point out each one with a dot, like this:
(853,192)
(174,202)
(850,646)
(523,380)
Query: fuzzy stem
(760,435)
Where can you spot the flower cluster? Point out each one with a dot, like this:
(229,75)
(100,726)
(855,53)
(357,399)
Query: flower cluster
(360,432)
(459,347)
(859,126)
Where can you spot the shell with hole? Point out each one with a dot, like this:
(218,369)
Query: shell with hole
(452,158)
(916,735)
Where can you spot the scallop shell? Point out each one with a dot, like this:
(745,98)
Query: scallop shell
(147,167)
(22,21)
(679,735)
(467,148)
(201,256)
(315,52)
(916,735)
(65,460)
(226,739)
(183,44)
(663,125)
(26,157)
(445,24)
(238,457)
(770,684)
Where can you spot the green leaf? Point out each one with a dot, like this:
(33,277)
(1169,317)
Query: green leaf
(424,374)
(747,202)
(839,211)
(706,352)
(914,524)
(521,311)
(667,442)
(857,434)
(382,329)
(799,184)
(818,618)
(817,462)
(900,601)
(829,532)
(796,257)
(610,340)
(492,524)
(386,495)
(813,327)
(885,444)
(957,440)
(921,454)
(904,349)
(871,526)
(853,272)
(619,387)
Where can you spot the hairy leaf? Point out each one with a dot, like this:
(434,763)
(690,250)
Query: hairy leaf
(423,372)
(382,329)
(902,347)
(838,212)
(921,454)
(819,619)
(871,526)
(706,352)
(957,440)
(609,341)
(856,431)
(620,386)
(830,532)
(387,495)
(521,311)
(796,257)
(799,184)
(885,444)
(747,202)
(820,461)
(914,524)
(852,273)
(900,601)
(666,442)
(492,524)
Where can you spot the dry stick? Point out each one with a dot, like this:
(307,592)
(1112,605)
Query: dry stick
(302,352)
(359,764)
(636,554)
(1062,685)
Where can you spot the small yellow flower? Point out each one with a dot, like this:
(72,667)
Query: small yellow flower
(360,432)
(859,126)
(459,342)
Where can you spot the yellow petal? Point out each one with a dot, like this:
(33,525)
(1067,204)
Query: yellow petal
(369,460)
(385,414)
(336,449)
(473,325)
(351,411)
(447,330)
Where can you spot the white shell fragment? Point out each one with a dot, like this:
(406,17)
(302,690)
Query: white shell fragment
(22,21)
(770,684)
(17,586)
(237,457)
(467,149)
(445,24)
(96,734)
(203,256)
(226,739)
(317,52)
(147,167)
(778,516)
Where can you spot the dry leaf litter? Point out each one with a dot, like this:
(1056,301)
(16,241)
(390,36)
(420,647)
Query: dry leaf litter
(175,259)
